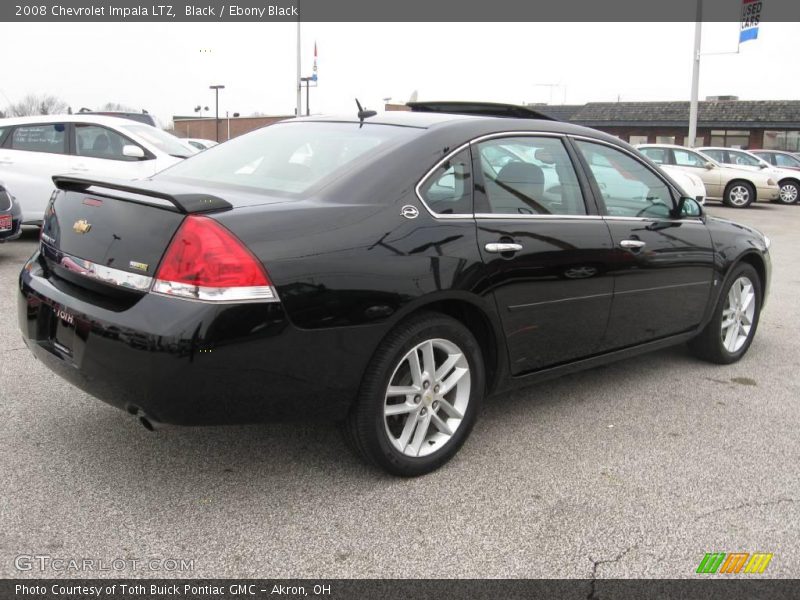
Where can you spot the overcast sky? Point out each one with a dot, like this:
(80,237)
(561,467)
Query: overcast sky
(161,67)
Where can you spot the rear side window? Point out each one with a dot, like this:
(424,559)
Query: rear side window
(289,159)
(782,160)
(657,155)
(40,138)
(529,176)
(448,190)
(100,142)
(717,155)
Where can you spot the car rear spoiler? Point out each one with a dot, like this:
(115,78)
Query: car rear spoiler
(483,109)
(183,198)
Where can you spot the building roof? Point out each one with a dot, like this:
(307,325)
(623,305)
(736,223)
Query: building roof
(725,113)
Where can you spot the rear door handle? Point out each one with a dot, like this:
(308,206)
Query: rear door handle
(632,244)
(503,247)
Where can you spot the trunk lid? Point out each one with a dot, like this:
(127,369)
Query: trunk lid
(109,235)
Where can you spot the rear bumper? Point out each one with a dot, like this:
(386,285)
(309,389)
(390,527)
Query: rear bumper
(191,363)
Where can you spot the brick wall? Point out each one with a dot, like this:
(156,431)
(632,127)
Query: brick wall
(205,128)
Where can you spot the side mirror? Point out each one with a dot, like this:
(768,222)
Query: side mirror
(132,151)
(709,166)
(688,207)
(764,166)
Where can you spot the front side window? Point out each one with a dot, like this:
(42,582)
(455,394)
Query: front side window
(685,158)
(95,141)
(448,190)
(740,158)
(40,138)
(529,176)
(628,188)
(784,160)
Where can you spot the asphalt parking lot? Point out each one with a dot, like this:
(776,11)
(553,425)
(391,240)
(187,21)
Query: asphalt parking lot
(631,470)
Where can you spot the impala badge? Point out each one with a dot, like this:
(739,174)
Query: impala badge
(409,212)
(81,226)
(139,266)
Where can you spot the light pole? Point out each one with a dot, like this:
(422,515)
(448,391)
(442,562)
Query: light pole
(216,89)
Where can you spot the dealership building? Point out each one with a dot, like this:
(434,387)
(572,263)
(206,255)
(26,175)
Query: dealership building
(721,121)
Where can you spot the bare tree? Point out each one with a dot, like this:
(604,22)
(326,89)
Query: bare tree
(37,104)
(117,107)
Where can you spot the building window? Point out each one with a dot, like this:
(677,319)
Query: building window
(782,140)
(637,139)
(665,139)
(730,138)
(698,142)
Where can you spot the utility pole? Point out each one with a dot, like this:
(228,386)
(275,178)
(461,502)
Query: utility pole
(216,89)
(297,79)
(698,30)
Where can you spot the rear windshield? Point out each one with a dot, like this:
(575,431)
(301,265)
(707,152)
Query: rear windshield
(289,158)
(166,142)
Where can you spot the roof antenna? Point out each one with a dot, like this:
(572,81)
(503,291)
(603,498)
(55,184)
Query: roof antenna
(363,113)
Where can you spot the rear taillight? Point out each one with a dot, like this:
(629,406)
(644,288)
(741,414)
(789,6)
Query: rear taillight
(205,261)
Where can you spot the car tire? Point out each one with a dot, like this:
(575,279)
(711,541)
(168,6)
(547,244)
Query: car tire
(790,192)
(386,425)
(732,327)
(739,194)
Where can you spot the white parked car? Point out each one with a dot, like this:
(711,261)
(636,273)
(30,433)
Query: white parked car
(33,149)
(788,179)
(734,186)
(200,144)
(691,184)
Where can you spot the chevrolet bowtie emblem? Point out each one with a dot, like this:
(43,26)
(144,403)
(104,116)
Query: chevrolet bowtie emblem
(81,226)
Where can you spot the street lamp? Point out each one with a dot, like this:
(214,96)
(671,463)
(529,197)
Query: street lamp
(308,81)
(216,89)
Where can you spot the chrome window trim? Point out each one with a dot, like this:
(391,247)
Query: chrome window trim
(563,136)
(467,144)
(638,159)
(428,174)
(535,217)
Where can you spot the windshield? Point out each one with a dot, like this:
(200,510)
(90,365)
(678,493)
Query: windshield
(162,140)
(288,158)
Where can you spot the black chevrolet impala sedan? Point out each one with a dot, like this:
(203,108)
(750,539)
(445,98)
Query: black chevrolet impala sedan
(385,271)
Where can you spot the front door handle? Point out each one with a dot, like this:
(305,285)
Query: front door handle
(503,247)
(632,244)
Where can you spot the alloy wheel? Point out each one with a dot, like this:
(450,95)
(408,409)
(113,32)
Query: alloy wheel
(789,193)
(427,397)
(738,314)
(739,195)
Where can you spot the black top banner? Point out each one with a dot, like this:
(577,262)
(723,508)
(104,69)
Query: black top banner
(400,11)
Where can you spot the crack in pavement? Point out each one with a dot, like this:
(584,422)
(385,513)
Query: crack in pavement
(743,505)
(12,350)
(596,565)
